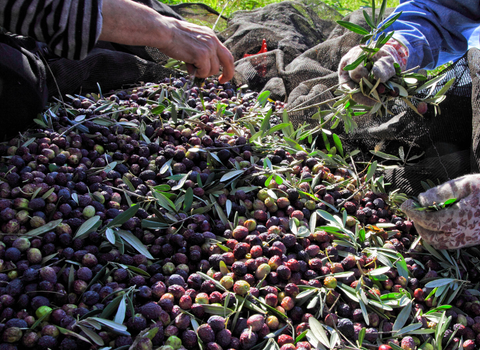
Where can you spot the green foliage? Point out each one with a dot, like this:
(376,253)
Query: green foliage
(229,6)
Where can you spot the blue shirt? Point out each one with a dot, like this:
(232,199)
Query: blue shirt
(436,31)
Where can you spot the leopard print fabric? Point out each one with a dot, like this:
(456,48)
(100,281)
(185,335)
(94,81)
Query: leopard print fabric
(455,226)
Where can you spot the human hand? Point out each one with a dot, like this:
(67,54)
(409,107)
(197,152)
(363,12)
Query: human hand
(199,47)
(383,67)
(130,23)
(455,226)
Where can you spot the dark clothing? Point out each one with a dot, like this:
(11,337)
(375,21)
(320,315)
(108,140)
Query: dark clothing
(23,89)
(59,49)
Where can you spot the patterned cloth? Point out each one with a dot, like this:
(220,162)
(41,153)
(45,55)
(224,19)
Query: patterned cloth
(453,227)
(400,52)
(70,28)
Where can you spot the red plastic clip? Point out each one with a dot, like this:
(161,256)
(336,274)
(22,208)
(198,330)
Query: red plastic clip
(262,50)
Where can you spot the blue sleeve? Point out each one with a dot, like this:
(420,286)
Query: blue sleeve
(436,31)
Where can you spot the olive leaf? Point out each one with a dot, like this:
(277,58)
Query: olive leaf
(124,217)
(314,341)
(349,292)
(372,168)
(402,317)
(42,229)
(164,202)
(249,305)
(217,284)
(305,295)
(361,336)
(111,307)
(48,258)
(166,167)
(152,333)
(88,226)
(223,267)
(217,310)
(73,334)
(122,309)
(228,207)
(187,203)
(439,282)
(379,271)
(410,329)
(91,334)
(271,309)
(114,326)
(363,301)
(318,331)
(402,266)
(137,270)
(135,243)
(300,337)
(313,302)
(231,174)
(181,182)
(40,319)
(227,302)
(49,192)
(353,27)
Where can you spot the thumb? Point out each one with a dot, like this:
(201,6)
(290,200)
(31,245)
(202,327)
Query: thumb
(451,235)
(420,217)
(358,73)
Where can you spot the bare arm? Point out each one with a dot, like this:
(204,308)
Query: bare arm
(127,22)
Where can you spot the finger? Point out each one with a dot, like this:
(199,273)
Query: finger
(347,75)
(203,64)
(358,73)
(434,220)
(214,65)
(384,69)
(227,62)
(424,226)
(363,100)
(348,58)
(191,69)
(431,237)
(343,76)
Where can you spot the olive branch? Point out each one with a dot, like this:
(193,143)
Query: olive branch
(412,88)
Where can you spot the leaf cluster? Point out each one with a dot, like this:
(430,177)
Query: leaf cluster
(407,87)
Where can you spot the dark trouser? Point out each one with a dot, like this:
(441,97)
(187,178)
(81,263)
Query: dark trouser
(23,86)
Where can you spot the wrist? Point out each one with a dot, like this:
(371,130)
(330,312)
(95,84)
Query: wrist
(130,23)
